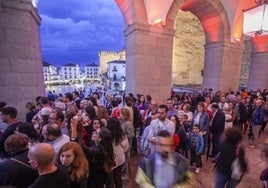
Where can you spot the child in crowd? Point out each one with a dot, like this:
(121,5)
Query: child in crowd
(196,146)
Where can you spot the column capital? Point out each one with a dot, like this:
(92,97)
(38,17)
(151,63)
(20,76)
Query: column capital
(150,29)
(224,44)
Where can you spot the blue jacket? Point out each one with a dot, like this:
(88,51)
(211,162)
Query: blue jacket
(199,143)
(203,121)
(258,116)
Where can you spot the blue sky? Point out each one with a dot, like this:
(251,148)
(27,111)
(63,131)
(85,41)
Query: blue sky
(74,31)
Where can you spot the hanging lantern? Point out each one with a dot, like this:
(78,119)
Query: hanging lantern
(256,19)
(157,11)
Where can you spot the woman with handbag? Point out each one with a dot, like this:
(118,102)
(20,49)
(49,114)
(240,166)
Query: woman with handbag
(128,135)
(227,173)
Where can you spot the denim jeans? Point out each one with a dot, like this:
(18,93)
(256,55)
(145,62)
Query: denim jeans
(194,158)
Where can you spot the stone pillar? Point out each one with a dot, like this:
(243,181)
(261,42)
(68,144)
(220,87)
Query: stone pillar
(21,73)
(258,76)
(222,66)
(149,60)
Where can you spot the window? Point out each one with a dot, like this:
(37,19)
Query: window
(114,68)
(114,77)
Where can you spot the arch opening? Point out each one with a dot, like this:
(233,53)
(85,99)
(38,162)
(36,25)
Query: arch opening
(188,50)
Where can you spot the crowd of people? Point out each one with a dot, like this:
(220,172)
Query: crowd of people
(70,140)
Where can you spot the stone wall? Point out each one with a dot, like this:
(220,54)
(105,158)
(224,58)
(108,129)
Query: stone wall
(107,56)
(188,50)
(246,63)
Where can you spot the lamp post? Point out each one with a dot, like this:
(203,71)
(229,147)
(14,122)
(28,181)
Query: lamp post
(255,19)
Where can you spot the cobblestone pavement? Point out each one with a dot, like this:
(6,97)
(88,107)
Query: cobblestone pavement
(205,178)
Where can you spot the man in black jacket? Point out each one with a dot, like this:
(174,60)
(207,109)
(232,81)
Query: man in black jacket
(16,171)
(9,116)
(217,128)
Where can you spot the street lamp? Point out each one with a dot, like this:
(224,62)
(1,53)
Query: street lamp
(157,11)
(256,19)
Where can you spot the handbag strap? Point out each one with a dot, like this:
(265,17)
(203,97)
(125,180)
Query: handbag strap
(237,151)
(20,162)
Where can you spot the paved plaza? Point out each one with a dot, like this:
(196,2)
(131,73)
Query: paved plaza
(205,178)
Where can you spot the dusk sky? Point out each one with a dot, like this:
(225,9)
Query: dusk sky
(75,31)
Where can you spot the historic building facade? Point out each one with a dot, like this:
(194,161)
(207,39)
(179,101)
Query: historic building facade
(116,73)
(108,56)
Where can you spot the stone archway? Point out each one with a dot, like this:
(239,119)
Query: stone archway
(148,46)
(221,69)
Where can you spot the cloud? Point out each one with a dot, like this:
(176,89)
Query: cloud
(78,30)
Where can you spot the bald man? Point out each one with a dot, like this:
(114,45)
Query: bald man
(41,156)
(55,137)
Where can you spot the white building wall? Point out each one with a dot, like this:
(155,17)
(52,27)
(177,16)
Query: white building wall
(70,73)
(92,72)
(50,72)
(116,75)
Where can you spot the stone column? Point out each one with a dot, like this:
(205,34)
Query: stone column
(149,60)
(258,73)
(21,73)
(222,66)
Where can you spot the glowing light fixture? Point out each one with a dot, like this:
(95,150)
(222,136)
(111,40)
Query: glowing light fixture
(35,3)
(157,11)
(256,19)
